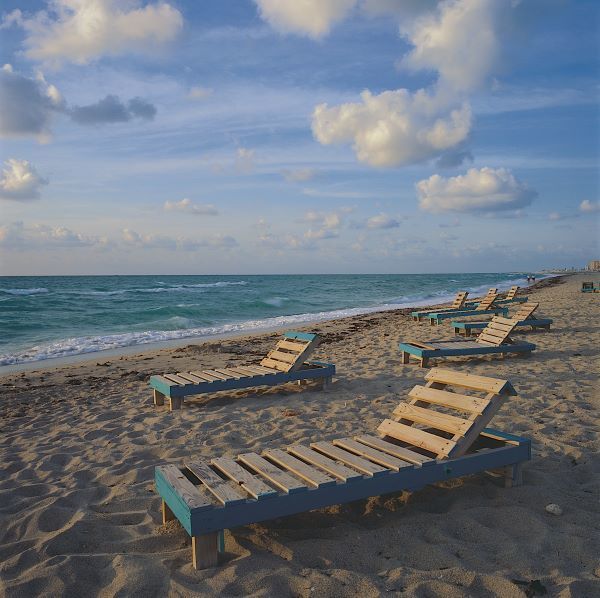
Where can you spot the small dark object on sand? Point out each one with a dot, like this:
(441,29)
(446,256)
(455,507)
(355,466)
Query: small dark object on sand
(531,588)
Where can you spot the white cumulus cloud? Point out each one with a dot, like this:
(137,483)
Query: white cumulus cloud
(394,128)
(20,181)
(484,190)
(458,41)
(588,207)
(81,30)
(186,205)
(313,18)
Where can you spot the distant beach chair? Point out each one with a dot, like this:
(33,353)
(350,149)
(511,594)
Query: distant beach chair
(494,339)
(285,363)
(487,306)
(587,287)
(524,316)
(417,446)
(511,297)
(459,302)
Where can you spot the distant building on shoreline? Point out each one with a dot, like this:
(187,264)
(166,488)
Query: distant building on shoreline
(594,266)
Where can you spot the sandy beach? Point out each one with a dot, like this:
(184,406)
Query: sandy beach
(79,515)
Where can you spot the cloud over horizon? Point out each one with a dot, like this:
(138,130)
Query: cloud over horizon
(478,191)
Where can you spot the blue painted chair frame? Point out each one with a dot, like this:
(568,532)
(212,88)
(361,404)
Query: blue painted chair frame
(466,327)
(205,523)
(423,354)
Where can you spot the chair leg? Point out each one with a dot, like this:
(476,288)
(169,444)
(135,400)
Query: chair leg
(513,475)
(174,403)
(167,514)
(159,398)
(424,362)
(405,357)
(205,551)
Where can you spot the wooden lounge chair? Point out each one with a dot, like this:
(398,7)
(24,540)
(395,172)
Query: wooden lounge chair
(587,287)
(458,303)
(494,339)
(417,446)
(511,297)
(524,316)
(285,363)
(487,306)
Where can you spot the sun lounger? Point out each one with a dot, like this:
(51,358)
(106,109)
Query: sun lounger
(587,287)
(417,446)
(511,297)
(285,363)
(524,316)
(494,339)
(458,303)
(487,306)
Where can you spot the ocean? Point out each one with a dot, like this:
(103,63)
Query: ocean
(45,317)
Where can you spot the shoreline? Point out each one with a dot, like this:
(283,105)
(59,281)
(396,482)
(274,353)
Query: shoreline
(153,346)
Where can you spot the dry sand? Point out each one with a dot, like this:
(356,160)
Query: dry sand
(78,444)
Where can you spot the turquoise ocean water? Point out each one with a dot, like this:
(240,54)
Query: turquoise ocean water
(59,316)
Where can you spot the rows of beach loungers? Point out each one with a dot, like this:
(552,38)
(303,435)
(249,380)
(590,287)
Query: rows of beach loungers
(440,432)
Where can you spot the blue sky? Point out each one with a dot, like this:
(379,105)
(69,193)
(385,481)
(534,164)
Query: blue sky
(272,136)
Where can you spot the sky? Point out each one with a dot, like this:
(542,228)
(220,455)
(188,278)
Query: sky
(305,136)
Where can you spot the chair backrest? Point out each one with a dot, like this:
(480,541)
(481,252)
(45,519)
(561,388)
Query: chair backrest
(486,302)
(420,424)
(587,286)
(460,299)
(512,292)
(525,311)
(497,331)
(291,351)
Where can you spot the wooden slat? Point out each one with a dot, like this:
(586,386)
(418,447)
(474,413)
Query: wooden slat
(281,356)
(525,311)
(278,365)
(372,454)
(347,458)
(204,376)
(393,449)
(259,369)
(279,478)
(499,327)
(315,477)
(448,399)
(435,419)
(329,465)
(217,374)
(184,488)
(177,379)
(493,331)
(239,373)
(220,488)
(228,373)
(193,379)
(250,483)
(495,341)
(248,371)
(416,437)
(454,378)
(295,346)
(503,320)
